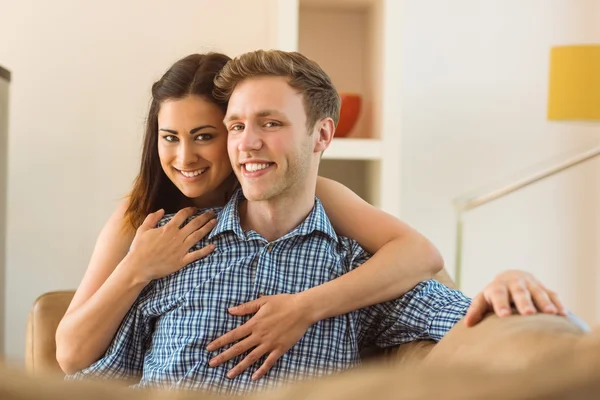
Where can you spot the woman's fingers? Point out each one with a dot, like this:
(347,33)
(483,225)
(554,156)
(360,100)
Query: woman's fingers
(562,309)
(199,227)
(521,297)
(199,234)
(198,254)
(197,223)
(179,219)
(541,299)
(180,239)
(151,220)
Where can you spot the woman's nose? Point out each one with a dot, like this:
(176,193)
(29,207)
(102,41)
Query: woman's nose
(186,153)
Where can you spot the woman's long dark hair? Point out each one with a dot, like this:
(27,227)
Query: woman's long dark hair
(152,189)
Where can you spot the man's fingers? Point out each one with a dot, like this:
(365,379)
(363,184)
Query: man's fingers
(250,307)
(250,359)
(233,351)
(151,220)
(232,336)
(267,365)
(477,310)
(522,298)
(541,299)
(198,254)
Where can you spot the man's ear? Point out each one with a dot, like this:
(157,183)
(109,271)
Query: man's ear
(324,131)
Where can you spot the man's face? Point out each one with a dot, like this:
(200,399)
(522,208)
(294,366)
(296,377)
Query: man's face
(269,147)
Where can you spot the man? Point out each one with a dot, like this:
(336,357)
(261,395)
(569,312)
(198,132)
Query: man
(272,239)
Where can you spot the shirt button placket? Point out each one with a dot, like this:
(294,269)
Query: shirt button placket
(262,286)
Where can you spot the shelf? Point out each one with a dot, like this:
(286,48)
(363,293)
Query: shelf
(337,4)
(356,43)
(353,149)
(355,65)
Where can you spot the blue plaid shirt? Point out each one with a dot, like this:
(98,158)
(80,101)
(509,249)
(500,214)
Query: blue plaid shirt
(163,337)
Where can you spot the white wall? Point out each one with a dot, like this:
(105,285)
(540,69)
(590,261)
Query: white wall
(474,93)
(4,93)
(81,83)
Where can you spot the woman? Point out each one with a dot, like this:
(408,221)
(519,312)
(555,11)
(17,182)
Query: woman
(184,167)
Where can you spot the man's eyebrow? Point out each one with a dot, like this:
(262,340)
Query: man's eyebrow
(231,118)
(267,113)
(199,128)
(263,113)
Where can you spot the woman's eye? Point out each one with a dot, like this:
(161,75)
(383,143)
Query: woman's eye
(204,136)
(170,138)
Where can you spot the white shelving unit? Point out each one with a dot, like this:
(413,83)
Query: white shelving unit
(358,43)
(354,149)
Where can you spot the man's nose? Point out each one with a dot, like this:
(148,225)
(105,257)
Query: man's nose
(250,140)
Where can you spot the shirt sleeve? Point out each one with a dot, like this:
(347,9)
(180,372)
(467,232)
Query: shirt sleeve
(428,311)
(124,358)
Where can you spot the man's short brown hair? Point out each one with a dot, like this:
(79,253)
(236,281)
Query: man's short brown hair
(321,99)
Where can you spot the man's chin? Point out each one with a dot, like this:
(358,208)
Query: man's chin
(255,193)
(255,197)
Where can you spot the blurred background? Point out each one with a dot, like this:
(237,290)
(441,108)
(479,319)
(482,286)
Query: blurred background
(454,97)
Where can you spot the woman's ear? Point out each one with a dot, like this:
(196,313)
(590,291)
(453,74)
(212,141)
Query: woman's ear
(324,131)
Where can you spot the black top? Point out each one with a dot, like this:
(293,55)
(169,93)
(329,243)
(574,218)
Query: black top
(4,73)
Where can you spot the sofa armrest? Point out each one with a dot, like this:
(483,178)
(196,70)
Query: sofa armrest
(513,342)
(40,343)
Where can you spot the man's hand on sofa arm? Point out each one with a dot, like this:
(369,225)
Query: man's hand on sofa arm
(514,288)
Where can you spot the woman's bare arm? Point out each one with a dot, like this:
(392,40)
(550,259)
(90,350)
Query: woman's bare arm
(116,276)
(102,299)
(402,257)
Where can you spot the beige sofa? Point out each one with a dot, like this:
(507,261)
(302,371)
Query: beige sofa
(541,357)
(501,343)
(49,308)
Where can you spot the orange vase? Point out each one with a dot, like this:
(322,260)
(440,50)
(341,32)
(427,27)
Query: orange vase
(349,112)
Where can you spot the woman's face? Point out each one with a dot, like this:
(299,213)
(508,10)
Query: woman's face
(192,146)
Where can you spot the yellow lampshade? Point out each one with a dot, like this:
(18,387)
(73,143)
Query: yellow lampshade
(574,92)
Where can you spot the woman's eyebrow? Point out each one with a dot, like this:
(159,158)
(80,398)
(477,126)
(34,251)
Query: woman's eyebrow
(199,128)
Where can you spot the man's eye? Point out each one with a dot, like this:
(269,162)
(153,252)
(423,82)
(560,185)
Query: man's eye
(272,124)
(236,127)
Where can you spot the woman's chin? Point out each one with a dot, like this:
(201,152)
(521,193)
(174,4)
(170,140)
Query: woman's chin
(194,194)
(209,195)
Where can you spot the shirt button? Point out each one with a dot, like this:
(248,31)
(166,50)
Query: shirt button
(270,248)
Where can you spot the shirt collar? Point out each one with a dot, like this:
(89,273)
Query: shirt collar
(229,220)
(317,220)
